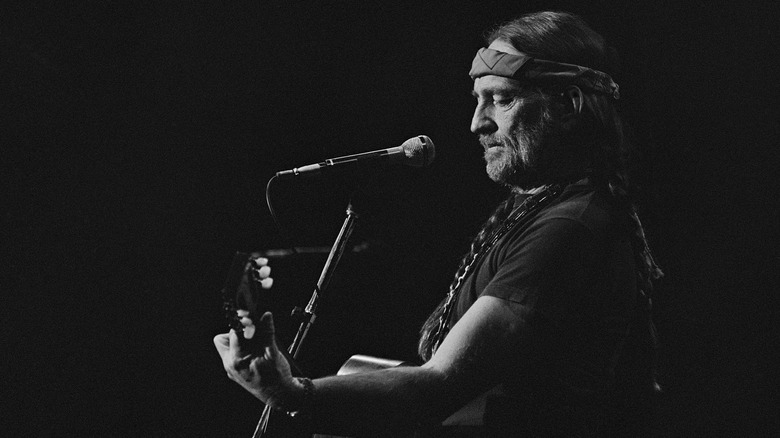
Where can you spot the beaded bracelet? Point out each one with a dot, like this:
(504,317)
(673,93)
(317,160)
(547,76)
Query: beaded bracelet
(308,398)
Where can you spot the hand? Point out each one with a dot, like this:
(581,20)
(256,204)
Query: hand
(267,376)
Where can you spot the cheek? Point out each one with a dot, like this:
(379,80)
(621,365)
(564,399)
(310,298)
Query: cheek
(523,115)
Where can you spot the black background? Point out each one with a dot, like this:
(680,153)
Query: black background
(138,137)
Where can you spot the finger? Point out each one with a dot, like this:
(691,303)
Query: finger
(222,342)
(266,331)
(235,358)
(235,345)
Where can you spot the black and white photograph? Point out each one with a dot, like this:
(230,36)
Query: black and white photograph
(389,219)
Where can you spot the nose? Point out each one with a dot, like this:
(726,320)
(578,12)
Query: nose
(482,122)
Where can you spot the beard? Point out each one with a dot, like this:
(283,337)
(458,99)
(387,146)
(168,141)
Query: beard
(522,158)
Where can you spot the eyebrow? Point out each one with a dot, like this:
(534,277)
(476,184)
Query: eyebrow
(497,89)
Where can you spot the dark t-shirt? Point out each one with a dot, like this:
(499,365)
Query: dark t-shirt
(571,266)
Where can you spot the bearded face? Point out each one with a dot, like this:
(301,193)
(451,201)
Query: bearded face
(519,154)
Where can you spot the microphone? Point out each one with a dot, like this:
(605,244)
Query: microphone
(417,151)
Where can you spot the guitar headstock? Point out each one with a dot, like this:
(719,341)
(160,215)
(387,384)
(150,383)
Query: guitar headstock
(243,298)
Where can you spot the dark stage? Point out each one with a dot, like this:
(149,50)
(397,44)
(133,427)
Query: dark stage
(138,138)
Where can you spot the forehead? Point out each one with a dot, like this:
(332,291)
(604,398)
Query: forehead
(490,84)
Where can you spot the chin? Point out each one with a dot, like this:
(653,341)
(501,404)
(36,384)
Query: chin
(499,174)
(512,177)
(506,172)
(499,165)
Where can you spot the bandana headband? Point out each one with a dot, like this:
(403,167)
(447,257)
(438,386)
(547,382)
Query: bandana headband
(523,67)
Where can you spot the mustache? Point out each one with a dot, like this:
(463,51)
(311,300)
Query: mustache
(493,140)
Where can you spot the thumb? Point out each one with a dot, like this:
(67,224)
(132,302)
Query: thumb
(267,333)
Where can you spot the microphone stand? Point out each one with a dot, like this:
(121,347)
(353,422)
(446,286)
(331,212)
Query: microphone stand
(309,315)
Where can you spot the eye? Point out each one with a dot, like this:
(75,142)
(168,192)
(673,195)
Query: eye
(503,101)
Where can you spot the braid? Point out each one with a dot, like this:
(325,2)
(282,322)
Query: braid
(502,212)
(647,270)
(639,371)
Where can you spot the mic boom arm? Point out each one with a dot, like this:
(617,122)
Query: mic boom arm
(417,151)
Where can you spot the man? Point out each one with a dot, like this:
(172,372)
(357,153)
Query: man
(546,329)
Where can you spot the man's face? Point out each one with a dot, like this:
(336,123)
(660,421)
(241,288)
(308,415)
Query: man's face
(513,125)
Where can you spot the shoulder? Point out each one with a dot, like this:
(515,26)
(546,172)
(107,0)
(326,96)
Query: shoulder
(581,206)
(579,223)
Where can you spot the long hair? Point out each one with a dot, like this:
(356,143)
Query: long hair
(566,38)
(563,37)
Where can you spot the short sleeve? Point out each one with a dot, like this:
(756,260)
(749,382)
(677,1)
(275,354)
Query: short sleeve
(544,266)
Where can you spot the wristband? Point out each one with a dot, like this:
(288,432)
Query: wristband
(308,398)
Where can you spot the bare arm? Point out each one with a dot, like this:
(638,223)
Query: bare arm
(473,357)
(471,360)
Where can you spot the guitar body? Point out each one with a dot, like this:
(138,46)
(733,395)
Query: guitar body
(282,426)
(360,363)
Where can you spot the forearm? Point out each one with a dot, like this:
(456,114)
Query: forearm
(396,397)
(478,353)
(475,356)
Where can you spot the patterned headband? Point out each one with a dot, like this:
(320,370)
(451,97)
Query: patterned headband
(523,67)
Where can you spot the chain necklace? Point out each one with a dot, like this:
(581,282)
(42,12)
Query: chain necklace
(530,204)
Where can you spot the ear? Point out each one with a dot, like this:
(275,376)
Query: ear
(574,101)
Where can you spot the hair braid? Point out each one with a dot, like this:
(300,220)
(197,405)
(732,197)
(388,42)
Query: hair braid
(647,270)
(638,374)
(501,213)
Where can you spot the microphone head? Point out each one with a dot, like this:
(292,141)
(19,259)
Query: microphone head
(419,151)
